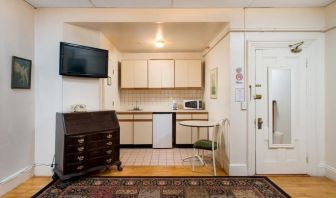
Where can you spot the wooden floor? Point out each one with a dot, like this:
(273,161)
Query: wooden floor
(296,186)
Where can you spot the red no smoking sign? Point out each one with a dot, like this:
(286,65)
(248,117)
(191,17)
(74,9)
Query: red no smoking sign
(239,77)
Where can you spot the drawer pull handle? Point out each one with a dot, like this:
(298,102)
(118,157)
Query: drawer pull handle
(109,143)
(108,161)
(80,167)
(81,140)
(109,136)
(80,158)
(108,151)
(81,148)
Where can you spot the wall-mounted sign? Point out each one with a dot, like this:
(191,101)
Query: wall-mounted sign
(239,85)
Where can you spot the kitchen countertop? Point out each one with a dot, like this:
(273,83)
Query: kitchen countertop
(123,111)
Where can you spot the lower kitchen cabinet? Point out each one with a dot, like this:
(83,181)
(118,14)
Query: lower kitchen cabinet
(203,134)
(126,132)
(135,129)
(183,134)
(187,135)
(143,132)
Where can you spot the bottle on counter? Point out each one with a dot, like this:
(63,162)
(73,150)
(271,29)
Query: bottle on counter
(174,105)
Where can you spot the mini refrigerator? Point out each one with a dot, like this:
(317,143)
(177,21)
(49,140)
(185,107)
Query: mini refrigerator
(162,130)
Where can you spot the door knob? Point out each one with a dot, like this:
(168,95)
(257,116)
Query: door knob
(260,122)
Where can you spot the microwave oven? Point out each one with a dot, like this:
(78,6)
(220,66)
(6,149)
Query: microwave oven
(192,104)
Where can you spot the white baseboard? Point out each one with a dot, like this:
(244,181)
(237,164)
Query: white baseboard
(43,171)
(330,172)
(321,169)
(9,183)
(238,170)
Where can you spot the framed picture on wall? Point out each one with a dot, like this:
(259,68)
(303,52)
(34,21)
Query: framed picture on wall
(21,73)
(213,83)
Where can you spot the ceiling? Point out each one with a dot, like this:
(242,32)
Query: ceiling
(177,3)
(141,37)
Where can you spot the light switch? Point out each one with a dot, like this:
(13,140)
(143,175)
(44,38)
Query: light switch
(243,106)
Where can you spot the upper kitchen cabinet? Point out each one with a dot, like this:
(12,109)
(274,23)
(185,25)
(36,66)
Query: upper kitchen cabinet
(188,73)
(134,74)
(161,73)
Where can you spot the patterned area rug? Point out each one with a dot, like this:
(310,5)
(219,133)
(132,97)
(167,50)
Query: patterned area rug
(164,187)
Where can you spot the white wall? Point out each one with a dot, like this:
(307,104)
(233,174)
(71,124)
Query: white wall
(110,97)
(330,164)
(219,108)
(16,106)
(218,58)
(77,90)
(49,32)
(68,91)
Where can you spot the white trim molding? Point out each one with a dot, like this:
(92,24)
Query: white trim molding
(9,183)
(330,172)
(43,171)
(238,169)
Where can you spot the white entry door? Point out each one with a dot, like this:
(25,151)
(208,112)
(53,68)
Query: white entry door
(280,100)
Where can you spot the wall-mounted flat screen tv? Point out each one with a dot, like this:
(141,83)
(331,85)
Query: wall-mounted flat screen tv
(83,61)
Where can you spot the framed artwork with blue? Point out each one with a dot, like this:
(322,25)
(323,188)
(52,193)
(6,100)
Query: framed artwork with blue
(21,73)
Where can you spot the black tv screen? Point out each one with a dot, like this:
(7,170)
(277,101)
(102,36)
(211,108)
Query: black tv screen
(83,61)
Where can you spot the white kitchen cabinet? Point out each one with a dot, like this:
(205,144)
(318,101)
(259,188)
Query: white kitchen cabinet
(126,132)
(188,73)
(188,135)
(183,134)
(135,128)
(161,73)
(134,74)
(143,132)
(126,128)
(203,134)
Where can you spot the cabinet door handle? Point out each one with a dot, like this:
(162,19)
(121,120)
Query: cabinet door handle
(81,140)
(109,143)
(80,158)
(80,167)
(108,151)
(108,161)
(81,148)
(109,136)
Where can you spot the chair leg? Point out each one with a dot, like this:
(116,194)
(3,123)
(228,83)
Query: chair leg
(214,162)
(193,159)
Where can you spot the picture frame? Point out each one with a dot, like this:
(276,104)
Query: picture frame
(21,73)
(213,83)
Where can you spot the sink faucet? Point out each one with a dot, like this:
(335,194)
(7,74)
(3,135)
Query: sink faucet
(136,106)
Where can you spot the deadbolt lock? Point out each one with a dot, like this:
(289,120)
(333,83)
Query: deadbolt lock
(260,123)
(258,97)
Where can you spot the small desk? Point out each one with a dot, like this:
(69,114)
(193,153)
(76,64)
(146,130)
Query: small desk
(198,124)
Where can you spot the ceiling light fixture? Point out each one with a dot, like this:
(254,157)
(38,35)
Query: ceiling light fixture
(159,44)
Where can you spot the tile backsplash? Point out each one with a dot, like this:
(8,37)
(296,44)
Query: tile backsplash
(160,98)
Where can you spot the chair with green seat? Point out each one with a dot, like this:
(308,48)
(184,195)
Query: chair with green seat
(220,131)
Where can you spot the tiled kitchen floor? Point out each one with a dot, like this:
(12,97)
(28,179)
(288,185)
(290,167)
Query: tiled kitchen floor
(158,157)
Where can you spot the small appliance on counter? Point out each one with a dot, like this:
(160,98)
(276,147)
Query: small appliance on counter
(192,104)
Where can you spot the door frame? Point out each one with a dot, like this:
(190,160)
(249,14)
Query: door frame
(313,165)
